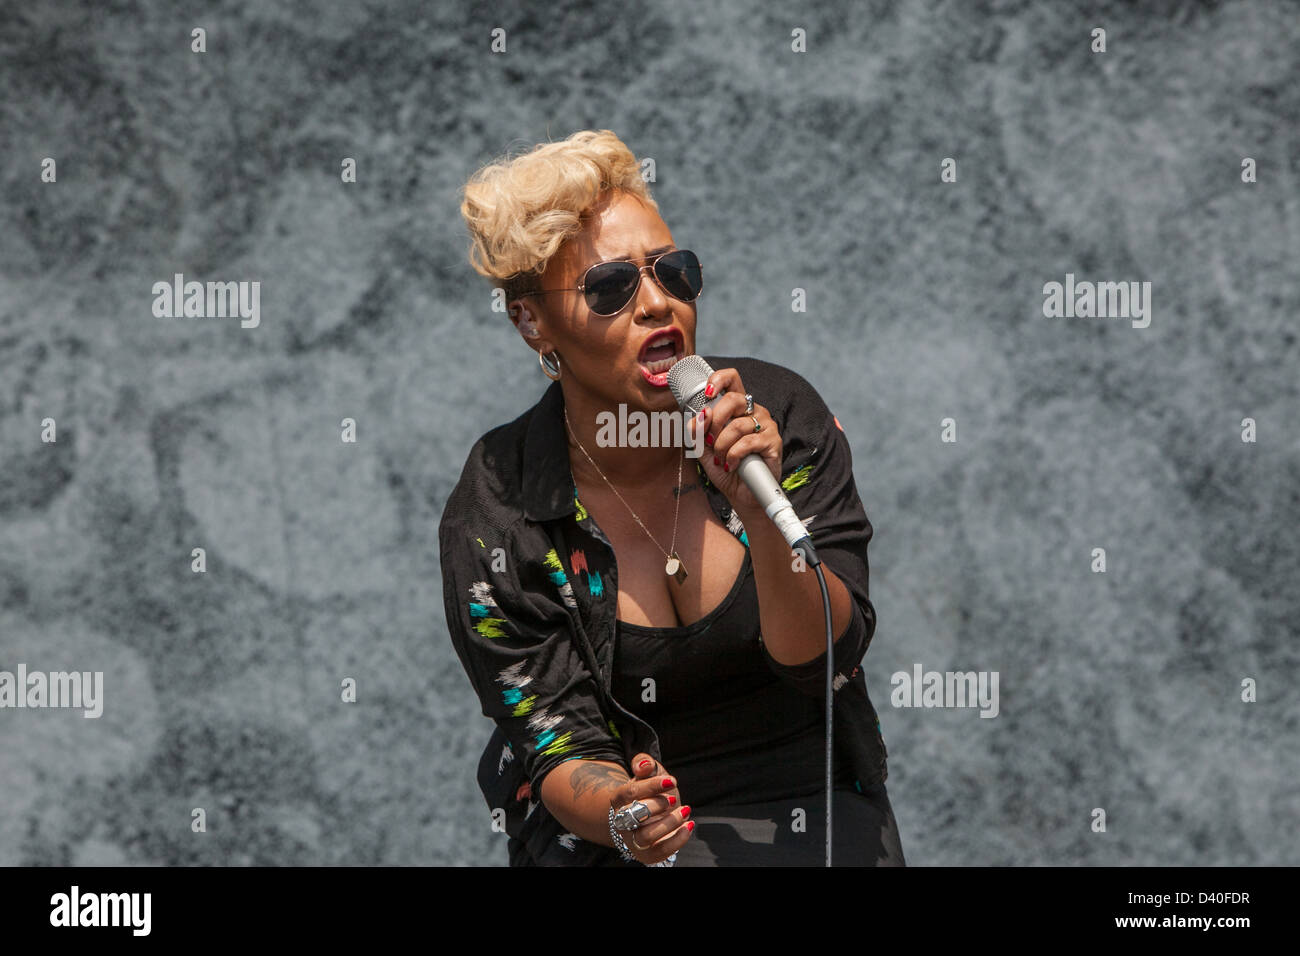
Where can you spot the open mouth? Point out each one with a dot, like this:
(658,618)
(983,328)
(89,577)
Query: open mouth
(661,352)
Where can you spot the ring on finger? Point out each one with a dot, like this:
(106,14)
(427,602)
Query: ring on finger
(631,816)
(757,426)
(749,404)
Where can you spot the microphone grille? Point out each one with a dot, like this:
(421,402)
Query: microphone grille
(687,379)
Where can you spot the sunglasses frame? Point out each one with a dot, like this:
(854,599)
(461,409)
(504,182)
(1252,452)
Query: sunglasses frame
(648,262)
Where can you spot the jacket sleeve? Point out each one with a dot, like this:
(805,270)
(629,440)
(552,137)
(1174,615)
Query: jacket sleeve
(823,490)
(514,637)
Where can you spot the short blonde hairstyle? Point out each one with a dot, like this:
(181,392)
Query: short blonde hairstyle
(521,210)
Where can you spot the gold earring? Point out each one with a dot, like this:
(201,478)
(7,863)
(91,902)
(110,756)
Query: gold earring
(550,371)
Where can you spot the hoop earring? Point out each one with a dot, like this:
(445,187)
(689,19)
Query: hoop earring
(550,371)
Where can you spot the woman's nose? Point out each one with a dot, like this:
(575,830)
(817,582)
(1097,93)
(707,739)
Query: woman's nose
(650,296)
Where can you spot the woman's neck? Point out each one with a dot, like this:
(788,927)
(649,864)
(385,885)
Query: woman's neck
(634,450)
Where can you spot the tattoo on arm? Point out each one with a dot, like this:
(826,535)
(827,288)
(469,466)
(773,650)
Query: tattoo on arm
(677,493)
(596,777)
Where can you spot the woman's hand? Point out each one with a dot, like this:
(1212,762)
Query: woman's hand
(730,436)
(667,829)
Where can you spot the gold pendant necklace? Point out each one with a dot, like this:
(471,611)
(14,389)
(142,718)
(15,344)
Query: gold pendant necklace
(674,567)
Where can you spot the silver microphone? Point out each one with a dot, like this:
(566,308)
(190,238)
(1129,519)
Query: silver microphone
(687,379)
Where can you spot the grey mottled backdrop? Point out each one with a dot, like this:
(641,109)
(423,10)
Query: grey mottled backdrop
(817,170)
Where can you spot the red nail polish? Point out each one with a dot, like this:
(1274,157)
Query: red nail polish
(686,812)
(726,467)
(708,439)
(668,782)
(717,460)
(708,390)
(671,800)
(700,416)
(690,826)
(643,764)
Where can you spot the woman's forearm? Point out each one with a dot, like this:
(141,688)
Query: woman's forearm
(789,600)
(578,792)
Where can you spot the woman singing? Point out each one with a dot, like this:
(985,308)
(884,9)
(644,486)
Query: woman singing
(651,651)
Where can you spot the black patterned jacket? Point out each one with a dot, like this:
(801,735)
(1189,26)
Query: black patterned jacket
(530,586)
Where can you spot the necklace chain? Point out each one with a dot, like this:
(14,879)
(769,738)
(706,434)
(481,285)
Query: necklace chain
(674,567)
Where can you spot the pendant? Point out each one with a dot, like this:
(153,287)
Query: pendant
(675,569)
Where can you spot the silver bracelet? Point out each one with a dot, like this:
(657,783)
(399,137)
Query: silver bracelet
(619,845)
(625,853)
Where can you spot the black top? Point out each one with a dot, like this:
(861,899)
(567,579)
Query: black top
(731,731)
(530,590)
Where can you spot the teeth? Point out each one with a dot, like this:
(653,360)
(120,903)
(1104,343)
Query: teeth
(661,366)
(661,342)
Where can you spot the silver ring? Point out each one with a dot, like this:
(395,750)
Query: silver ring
(631,817)
(749,404)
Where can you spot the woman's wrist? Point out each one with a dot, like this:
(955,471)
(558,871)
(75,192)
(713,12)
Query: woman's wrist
(617,839)
(578,794)
(623,824)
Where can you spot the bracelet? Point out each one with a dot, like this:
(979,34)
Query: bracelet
(625,853)
(619,845)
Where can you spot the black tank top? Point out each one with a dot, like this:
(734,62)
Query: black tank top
(729,729)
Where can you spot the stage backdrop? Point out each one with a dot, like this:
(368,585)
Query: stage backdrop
(912,205)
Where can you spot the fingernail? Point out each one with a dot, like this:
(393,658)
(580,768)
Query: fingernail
(700,416)
(708,390)
(671,799)
(717,460)
(708,438)
(726,467)
(668,782)
(686,812)
(690,826)
(643,764)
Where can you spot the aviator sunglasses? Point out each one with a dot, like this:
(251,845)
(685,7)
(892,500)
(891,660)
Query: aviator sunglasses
(609,286)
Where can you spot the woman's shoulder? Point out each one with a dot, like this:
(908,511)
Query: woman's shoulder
(793,402)
(489,490)
(780,382)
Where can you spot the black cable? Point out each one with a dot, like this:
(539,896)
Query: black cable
(830,708)
(810,557)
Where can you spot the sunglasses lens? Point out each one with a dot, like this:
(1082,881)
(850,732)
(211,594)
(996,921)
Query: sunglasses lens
(610,285)
(681,275)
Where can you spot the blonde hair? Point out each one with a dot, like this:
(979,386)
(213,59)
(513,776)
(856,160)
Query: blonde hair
(521,210)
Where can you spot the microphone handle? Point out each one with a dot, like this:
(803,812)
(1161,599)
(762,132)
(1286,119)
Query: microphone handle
(758,479)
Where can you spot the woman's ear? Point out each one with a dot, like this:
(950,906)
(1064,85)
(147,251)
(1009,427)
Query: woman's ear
(524,320)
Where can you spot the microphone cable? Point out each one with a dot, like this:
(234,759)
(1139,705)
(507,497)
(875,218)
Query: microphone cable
(687,379)
(804,545)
